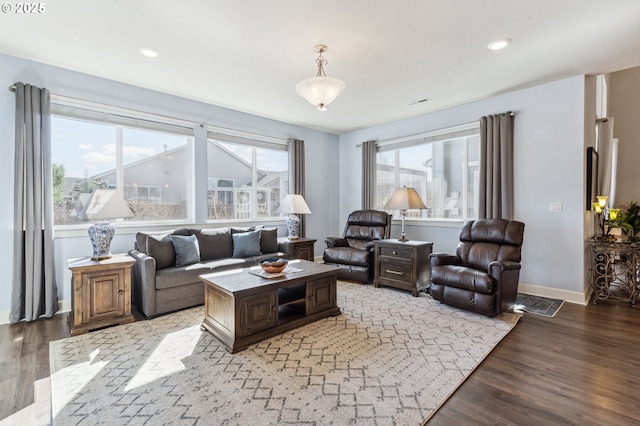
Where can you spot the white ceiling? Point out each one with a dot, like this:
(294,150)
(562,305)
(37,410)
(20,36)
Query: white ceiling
(248,55)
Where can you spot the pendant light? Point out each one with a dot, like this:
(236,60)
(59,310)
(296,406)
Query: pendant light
(320,90)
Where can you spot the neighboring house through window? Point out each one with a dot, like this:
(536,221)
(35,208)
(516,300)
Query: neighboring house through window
(442,166)
(148,159)
(247,177)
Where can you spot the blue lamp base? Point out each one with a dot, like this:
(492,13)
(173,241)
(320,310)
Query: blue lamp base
(101,235)
(293,227)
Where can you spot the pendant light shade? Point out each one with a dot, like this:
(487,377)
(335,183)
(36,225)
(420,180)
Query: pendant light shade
(320,90)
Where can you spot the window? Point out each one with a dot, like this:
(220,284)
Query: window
(144,157)
(442,167)
(149,158)
(246,178)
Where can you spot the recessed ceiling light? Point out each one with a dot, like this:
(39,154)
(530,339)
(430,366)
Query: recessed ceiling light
(149,52)
(498,44)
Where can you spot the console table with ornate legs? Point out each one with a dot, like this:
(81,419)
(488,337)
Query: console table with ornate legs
(615,271)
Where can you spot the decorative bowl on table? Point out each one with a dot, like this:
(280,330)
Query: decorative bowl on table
(273,265)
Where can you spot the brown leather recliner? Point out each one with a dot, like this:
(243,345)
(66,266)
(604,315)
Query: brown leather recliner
(483,274)
(353,253)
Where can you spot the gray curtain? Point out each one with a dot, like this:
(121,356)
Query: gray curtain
(296,167)
(34,292)
(604,146)
(369,175)
(496,166)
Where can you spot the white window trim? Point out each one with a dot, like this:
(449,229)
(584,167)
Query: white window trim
(110,114)
(432,136)
(246,138)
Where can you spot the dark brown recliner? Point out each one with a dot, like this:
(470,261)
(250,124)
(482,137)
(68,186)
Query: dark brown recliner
(483,274)
(353,253)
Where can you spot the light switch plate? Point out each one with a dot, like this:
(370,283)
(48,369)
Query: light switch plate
(555,207)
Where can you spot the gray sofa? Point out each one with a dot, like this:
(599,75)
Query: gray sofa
(168,265)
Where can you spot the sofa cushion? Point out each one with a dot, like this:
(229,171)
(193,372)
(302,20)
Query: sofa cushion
(179,276)
(241,229)
(141,238)
(268,240)
(214,243)
(229,263)
(184,275)
(160,247)
(141,242)
(246,244)
(186,248)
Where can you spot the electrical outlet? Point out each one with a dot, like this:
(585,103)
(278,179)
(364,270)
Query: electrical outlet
(555,207)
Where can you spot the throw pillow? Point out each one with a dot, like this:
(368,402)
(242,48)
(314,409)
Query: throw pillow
(160,247)
(214,243)
(141,239)
(246,244)
(187,250)
(268,240)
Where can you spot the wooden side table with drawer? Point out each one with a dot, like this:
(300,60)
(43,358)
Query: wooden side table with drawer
(403,265)
(101,293)
(299,248)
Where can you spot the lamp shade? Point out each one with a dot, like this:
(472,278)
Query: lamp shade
(320,91)
(293,203)
(105,204)
(404,199)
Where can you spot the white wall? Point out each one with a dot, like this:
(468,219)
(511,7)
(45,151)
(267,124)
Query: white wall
(320,147)
(549,161)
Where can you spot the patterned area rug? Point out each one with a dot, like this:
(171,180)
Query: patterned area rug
(539,305)
(389,359)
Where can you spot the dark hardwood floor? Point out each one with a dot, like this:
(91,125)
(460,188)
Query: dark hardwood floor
(581,367)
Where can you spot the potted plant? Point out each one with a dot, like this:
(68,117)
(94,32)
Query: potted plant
(631,218)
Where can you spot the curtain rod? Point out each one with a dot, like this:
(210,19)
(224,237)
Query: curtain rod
(511,114)
(62,98)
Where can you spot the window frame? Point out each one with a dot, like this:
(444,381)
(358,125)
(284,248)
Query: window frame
(255,142)
(441,135)
(196,175)
(121,118)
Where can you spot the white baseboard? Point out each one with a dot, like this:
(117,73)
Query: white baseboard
(63,306)
(555,293)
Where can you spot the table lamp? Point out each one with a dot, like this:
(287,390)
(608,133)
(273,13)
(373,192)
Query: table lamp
(404,199)
(293,204)
(103,205)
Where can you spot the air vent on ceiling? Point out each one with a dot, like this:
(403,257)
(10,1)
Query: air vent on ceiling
(418,101)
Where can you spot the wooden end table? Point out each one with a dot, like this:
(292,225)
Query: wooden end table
(300,248)
(403,265)
(101,293)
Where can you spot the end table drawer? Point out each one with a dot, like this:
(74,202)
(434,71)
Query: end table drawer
(395,272)
(396,252)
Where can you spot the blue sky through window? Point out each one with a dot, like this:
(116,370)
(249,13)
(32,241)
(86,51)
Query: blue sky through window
(88,148)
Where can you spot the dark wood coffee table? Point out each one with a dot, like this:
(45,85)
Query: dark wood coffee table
(242,308)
